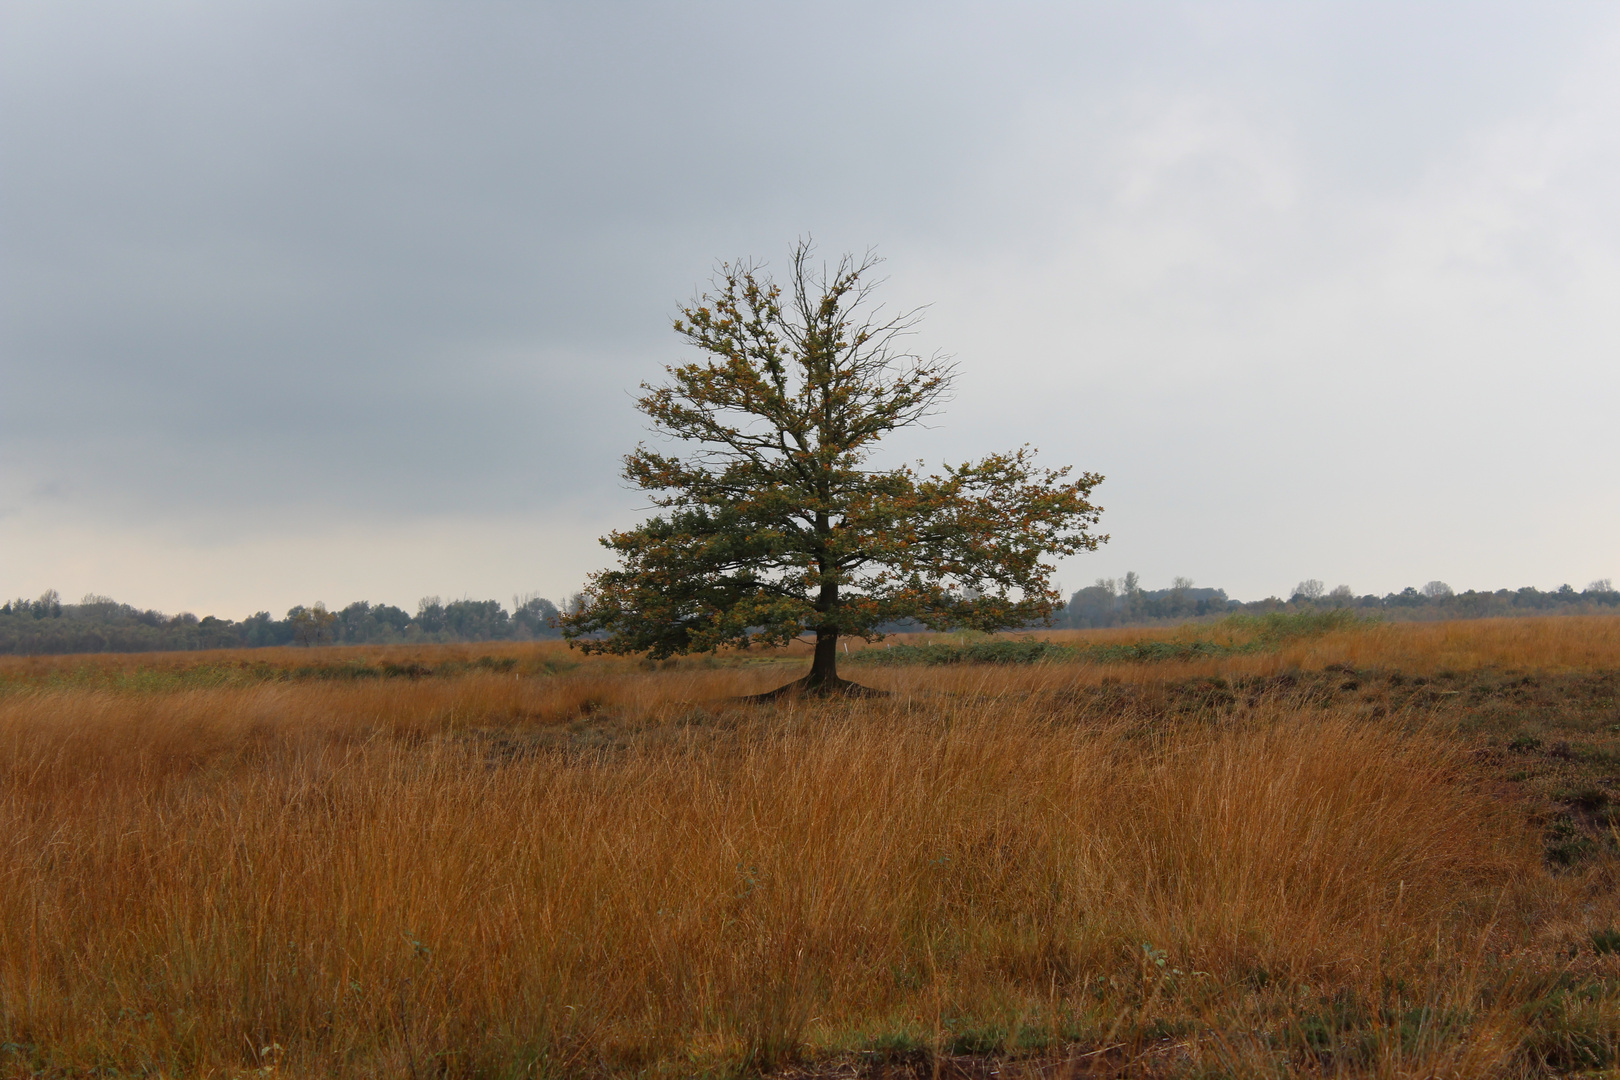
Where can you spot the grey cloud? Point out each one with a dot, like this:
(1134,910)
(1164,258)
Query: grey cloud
(407,261)
(284,238)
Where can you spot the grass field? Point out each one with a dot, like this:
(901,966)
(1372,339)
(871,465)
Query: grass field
(1358,849)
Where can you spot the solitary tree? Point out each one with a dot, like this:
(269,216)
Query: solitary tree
(312,625)
(1310,590)
(776,523)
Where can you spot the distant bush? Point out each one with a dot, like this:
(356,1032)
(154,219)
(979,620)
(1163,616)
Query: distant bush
(1291,625)
(994,651)
(1251,633)
(1147,651)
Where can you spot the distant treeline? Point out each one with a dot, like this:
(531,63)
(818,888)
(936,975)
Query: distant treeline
(100,624)
(1124,602)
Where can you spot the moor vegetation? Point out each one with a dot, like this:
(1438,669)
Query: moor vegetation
(1335,848)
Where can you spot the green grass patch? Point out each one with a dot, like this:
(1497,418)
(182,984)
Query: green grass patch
(1276,627)
(1235,635)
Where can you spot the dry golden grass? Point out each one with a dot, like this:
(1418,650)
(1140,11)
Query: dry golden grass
(1538,644)
(617,871)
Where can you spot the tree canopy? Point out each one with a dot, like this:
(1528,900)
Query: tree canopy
(775,522)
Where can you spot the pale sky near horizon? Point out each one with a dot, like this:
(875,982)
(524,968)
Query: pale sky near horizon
(349,301)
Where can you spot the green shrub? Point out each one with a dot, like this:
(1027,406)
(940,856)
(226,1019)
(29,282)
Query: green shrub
(1279,626)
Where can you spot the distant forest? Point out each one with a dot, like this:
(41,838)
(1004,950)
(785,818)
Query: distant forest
(1112,602)
(100,624)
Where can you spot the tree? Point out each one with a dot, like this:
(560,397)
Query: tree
(534,616)
(1310,591)
(311,625)
(777,523)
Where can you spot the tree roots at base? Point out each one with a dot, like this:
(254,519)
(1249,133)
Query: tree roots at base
(820,688)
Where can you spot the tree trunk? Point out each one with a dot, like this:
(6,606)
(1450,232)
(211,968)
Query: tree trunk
(824,668)
(823,680)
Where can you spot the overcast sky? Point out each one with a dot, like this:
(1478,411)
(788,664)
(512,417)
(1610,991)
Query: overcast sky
(348,301)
